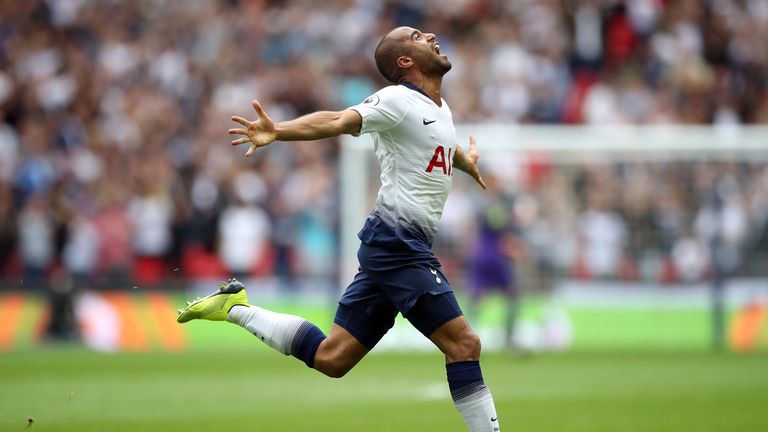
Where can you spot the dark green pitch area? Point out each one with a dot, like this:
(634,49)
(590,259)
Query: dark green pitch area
(258,390)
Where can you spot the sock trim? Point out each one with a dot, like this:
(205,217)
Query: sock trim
(470,395)
(305,342)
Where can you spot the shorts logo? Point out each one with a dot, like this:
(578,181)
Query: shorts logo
(437,278)
(372,100)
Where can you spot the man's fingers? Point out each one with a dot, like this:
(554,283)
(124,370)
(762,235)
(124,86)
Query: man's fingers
(254,130)
(241,120)
(259,109)
(473,156)
(250,150)
(480,180)
(472,144)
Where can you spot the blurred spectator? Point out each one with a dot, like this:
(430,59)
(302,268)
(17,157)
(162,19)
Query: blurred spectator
(114,232)
(36,240)
(243,226)
(722,223)
(602,231)
(81,251)
(150,212)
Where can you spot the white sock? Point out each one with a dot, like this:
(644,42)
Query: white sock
(275,329)
(477,408)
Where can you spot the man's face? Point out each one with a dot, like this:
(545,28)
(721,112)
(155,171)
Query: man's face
(425,51)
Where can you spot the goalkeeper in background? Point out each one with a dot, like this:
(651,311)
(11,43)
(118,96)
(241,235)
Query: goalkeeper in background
(491,263)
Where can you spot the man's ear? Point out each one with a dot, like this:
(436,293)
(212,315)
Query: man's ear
(404,62)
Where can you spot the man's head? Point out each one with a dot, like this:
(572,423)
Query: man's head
(406,51)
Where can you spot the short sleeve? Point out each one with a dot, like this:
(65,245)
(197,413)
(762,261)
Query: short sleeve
(382,110)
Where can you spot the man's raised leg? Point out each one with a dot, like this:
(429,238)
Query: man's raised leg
(288,334)
(334,355)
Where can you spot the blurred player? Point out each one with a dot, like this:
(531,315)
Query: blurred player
(415,142)
(491,262)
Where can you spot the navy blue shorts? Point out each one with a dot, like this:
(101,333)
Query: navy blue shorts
(391,281)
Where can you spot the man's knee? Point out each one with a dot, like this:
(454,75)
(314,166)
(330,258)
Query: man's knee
(457,341)
(331,365)
(466,348)
(338,353)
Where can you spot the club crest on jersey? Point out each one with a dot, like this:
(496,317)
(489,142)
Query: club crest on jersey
(437,278)
(440,161)
(372,100)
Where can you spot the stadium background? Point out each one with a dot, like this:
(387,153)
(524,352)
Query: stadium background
(120,197)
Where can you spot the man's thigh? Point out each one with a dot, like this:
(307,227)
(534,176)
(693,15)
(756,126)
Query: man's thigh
(403,276)
(432,311)
(365,311)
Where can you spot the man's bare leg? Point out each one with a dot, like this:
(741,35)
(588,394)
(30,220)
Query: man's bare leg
(472,398)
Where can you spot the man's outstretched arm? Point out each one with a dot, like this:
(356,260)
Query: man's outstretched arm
(322,124)
(467,162)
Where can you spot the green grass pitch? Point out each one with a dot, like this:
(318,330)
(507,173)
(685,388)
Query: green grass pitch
(254,389)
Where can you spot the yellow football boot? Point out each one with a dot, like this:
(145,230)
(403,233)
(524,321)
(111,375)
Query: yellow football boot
(215,306)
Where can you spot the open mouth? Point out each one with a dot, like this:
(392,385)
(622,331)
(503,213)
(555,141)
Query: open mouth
(437,48)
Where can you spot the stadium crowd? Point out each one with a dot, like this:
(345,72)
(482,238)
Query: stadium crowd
(115,165)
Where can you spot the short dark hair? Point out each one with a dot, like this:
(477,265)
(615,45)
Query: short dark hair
(386,55)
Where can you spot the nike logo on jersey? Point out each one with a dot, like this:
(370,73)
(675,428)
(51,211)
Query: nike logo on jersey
(427,122)
(494,418)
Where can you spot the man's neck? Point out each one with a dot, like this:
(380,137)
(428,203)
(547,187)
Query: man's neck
(430,87)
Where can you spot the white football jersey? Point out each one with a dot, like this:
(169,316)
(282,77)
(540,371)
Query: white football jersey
(414,140)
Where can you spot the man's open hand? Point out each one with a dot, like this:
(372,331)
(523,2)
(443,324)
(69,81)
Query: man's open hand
(468,162)
(259,133)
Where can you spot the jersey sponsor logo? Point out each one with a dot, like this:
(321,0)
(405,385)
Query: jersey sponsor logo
(440,161)
(372,100)
(426,121)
